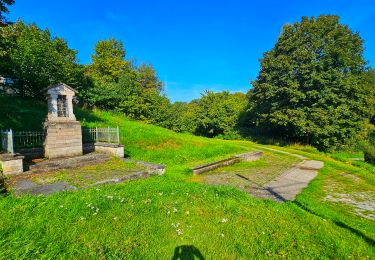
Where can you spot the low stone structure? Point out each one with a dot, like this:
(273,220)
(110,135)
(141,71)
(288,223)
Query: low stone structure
(11,164)
(112,149)
(63,131)
(247,157)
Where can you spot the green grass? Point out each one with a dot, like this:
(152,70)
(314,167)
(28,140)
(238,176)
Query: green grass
(149,219)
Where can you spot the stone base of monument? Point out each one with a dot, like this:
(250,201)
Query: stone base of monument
(63,139)
(112,149)
(11,164)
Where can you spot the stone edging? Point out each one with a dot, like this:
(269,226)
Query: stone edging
(247,157)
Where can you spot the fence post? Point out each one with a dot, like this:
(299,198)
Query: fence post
(10,142)
(96,135)
(118,135)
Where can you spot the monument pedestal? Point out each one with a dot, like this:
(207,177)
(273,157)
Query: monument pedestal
(63,138)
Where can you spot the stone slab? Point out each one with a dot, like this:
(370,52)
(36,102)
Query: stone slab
(289,184)
(247,157)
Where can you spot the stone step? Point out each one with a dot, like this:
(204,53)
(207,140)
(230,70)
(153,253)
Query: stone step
(68,163)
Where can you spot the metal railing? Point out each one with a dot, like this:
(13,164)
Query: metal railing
(11,140)
(28,139)
(101,135)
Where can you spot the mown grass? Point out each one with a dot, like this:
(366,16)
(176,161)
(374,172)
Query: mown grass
(149,219)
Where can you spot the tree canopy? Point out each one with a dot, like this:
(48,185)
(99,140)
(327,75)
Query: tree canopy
(34,59)
(310,86)
(4,10)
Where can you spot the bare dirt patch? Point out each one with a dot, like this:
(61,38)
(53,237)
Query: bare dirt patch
(362,203)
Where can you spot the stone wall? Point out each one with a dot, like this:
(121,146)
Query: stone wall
(63,139)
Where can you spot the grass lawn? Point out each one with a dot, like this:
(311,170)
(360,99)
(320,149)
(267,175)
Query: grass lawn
(156,217)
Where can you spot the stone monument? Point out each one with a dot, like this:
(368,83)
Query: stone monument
(63,131)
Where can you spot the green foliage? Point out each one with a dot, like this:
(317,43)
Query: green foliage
(108,61)
(34,59)
(218,113)
(4,10)
(310,87)
(119,85)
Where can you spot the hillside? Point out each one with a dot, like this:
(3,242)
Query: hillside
(157,217)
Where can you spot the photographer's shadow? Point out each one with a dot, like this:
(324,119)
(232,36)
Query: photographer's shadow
(187,253)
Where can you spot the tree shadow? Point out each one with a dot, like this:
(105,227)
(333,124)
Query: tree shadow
(341,224)
(3,189)
(187,252)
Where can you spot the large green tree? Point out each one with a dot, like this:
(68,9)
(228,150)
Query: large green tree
(108,61)
(120,85)
(4,10)
(218,113)
(34,59)
(310,86)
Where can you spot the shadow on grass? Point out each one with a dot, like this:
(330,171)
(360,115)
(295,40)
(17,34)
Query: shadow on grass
(187,252)
(277,196)
(357,232)
(3,190)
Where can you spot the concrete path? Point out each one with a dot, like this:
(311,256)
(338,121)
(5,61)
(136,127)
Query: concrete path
(289,184)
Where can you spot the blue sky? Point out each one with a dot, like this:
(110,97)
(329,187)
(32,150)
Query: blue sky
(193,45)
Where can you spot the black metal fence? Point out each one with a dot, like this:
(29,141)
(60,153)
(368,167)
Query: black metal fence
(13,140)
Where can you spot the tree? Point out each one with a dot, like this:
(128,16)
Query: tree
(218,113)
(309,87)
(34,59)
(4,10)
(108,61)
(148,78)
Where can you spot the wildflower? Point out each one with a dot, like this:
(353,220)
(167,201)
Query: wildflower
(115,218)
(222,235)
(224,220)
(179,232)
(168,212)
(174,210)
(187,213)
(82,218)
(61,206)
(160,193)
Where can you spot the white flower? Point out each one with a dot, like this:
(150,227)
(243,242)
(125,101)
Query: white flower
(224,220)
(174,210)
(115,218)
(160,193)
(187,213)
(61,206)
(222,235)
(168,212)
(179,232)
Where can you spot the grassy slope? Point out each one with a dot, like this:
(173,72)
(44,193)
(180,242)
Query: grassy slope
(151,218)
